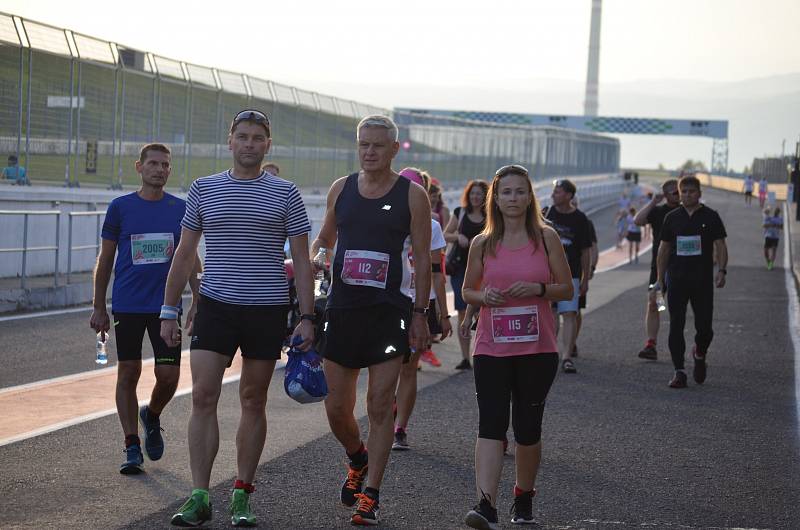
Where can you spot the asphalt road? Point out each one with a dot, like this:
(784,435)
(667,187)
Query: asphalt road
(622,450)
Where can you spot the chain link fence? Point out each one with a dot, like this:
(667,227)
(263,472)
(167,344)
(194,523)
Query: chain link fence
(75,110)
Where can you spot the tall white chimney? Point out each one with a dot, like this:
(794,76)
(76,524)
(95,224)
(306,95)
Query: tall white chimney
(590,102)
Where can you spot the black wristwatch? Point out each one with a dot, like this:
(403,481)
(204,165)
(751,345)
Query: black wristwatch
(311,318)
(421,310)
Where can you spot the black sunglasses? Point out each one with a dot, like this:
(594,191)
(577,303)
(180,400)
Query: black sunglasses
(251,115)
(512,168)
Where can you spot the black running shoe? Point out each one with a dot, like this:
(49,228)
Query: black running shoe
(133,461)
(366,513)
(464,365)
(482,516)
(700,369)
(678,380)
(400,441)
(522,509)
(568,366)
(352,485)
(649,352)
(153,442)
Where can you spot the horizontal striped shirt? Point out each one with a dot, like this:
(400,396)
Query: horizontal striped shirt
(245,224)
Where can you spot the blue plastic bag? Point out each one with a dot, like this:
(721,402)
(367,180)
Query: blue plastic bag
(304,381)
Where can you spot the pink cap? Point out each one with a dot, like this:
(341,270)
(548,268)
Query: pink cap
(412,175)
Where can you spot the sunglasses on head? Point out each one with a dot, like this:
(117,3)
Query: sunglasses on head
(251,115)
(512,168)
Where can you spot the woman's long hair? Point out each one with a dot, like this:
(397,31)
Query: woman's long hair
(495,225)
(465,195)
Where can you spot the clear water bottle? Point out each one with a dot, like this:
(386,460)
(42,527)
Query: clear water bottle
(660,303)
(102,351)
(321,263)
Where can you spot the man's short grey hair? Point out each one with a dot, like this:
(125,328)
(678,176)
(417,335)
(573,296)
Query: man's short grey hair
(377,120)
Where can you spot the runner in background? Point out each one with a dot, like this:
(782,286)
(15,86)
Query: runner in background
(438,319)
(438,207)
(773,227)
(142,229)
(633,233)
(466,222)
(653,214)
(763,188)
(516,269)
(594,258)
(573,229)
(747,189)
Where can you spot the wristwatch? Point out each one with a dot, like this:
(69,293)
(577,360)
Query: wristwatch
(421,310)
(311,318)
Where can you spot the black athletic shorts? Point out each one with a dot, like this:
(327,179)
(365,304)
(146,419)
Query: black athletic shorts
(634,237)
(129,333)
(434,323)
(258,330)
(771,242)
(363,336)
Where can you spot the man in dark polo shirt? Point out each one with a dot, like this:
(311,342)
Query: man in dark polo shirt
(654,214)
(692,235)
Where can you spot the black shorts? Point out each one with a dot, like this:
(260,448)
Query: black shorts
(582,301)
(258,330)
(363,336)
(748,193)
(129,333)
(771,242)
(434,323)
(634,237)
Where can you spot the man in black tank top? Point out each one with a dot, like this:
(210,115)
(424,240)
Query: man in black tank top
(369,323)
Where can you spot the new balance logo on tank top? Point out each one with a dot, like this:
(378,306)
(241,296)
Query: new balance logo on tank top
(245,224)
(368,267)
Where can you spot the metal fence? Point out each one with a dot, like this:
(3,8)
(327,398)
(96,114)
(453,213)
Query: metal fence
(76,109)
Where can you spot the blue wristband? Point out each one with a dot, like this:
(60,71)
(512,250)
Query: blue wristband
(169,312)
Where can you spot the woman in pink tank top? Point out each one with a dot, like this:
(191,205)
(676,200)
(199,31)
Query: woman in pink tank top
(515,270)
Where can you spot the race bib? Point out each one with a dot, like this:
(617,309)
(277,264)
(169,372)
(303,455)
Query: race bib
(688,246)
(365,267)
(152,248)
(515,324)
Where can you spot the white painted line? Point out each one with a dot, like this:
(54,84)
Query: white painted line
(794,308)
(642,251)
(47,313)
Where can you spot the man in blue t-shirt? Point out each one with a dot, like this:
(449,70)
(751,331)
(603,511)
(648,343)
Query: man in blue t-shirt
(143,229)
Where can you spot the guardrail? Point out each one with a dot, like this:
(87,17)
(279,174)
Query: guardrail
(70,248)
(24,249)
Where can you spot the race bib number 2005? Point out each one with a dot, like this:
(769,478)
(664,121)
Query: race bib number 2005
(365,267)
(152,248)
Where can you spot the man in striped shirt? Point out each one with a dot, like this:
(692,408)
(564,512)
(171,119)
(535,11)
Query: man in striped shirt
(245,214)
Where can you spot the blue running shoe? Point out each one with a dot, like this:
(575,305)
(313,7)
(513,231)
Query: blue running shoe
(153,442)
(133,461)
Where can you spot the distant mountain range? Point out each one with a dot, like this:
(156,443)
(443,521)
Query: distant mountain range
(762,112)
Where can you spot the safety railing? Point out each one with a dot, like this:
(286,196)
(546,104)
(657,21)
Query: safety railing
(25,249)
(70,248)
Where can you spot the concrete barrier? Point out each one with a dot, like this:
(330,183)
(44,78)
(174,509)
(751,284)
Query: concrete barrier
(735,185)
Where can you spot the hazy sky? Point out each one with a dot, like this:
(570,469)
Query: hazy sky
(446,41)
(346,48)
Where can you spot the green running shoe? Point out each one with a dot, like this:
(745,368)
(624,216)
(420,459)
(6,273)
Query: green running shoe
(194,512)
(240,509)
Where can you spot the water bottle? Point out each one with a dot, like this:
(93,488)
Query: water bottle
(660,304)
(321,263)
(102,352)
